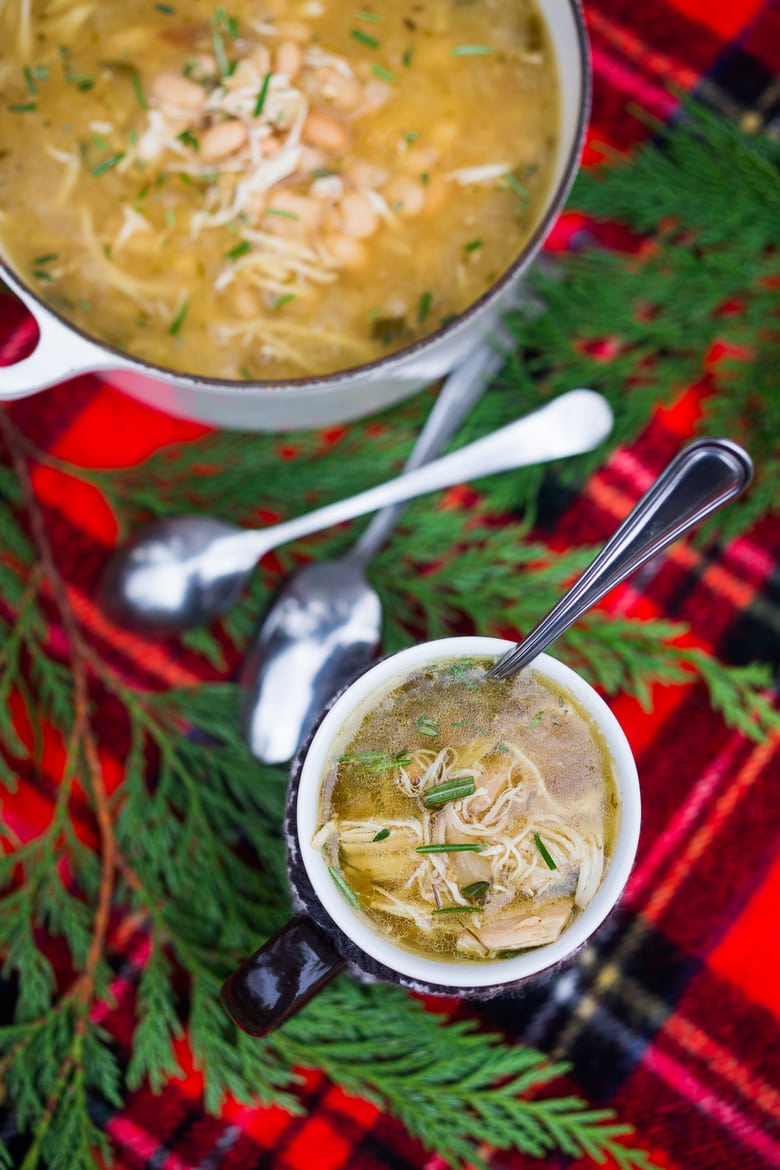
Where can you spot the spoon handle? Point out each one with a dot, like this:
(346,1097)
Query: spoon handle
(573,423)
(702,478)
(462,389)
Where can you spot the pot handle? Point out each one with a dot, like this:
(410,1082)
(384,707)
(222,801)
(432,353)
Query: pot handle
(59,354)
(280,977)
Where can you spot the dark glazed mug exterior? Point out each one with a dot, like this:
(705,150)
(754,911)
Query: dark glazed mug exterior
(327,934)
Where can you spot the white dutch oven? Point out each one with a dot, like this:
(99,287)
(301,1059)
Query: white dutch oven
(64,351)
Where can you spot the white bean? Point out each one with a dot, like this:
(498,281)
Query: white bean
(288,59)
(358,215)
(321,130)
(222,139)
(174,90)
(405,195)
(345,251)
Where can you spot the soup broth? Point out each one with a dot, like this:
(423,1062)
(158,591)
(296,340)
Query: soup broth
(469,820)
(270,189)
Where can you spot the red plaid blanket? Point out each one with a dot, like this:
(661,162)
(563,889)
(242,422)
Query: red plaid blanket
(671,1016)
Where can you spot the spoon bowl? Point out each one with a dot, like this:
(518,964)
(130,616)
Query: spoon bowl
(184,571)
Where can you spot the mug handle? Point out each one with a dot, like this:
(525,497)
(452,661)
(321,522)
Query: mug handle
(280,977)
(60,353)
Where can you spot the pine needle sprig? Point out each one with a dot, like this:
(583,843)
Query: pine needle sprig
(189,841)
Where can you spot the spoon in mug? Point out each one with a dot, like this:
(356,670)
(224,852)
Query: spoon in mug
(704,476)
(324,624)
(187,570)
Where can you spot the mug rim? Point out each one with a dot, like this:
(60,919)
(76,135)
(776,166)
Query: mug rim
(458,975)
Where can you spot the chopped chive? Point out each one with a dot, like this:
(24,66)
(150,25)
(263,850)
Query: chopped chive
(135,81)
(540,845)
(377,760)
(41,72)
(471,51)
(450,790)
(536,720)
(240,249)
(457,847)
(363,38)
(108,163)
(472,245)
(476,890)
(371,17)
(178,320)
(29,80)
(168,9)
(344,886)
(42,274)
(427,725)
(501,747)
(458,671)
(280,211)
(407,57)
(223,65)
(458,910)
(262,95)
(514,184)
(382,73)
(23,107)
(245,373)
(47,258)
(424,307)
(189,139)
(425,178)
(284,299)
(382,835)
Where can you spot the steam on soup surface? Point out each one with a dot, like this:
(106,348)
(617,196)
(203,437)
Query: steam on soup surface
(270,189)
(468,820)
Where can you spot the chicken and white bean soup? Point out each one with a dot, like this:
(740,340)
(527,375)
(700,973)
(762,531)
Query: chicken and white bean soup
(271,189)
(469,820)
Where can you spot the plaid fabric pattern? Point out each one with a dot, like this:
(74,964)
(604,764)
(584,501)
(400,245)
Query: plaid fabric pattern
(670,1015)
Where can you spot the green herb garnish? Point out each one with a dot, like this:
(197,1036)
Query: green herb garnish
(262,94)
(471,51)
(372,17)
(458,671)
(449,790)
(540,845)
(23,107)
(382,73)
(47,258)
(458,910)
(344,886)
(281,212)
(514,184)
(407,57)
(378,761)
(424,307)
(427,725)
(472,245)
(457,847)
(189,139)
(179,319)
(239,250)
(107,163)
(536,720)
(477,890)
(284,299)
(168,9)
(382,835)
(363,38)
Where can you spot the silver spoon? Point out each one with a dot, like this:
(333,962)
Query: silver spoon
(185,571)
(702,478)
(325,622)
